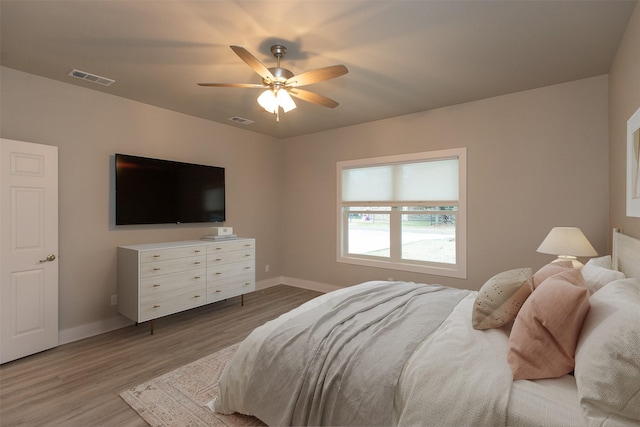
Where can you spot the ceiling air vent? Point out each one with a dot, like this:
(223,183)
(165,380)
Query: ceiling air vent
(91,77)
(241,120)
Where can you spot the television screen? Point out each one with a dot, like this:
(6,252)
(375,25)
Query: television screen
(153,191)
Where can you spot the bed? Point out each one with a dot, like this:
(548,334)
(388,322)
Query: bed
(555,347)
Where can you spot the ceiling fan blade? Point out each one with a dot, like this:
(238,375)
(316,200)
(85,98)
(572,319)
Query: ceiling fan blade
(245,85)
(318,75)
(313,98)
(254,63)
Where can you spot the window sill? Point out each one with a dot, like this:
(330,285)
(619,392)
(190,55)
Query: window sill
(456,271)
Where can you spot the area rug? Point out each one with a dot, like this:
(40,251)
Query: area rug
(177,398)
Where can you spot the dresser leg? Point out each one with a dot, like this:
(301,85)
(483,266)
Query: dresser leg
(151,327)
(242,300)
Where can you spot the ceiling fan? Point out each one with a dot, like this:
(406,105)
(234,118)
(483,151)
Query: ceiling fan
(280,83)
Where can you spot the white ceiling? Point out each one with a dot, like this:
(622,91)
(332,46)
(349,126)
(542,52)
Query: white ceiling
(403,56)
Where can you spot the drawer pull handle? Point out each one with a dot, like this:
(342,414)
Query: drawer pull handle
(156,269)
(247,254)
(247,283)
(248,245)
(247,268)
(196,296)
(197,277)
(218,290)
(156,256)
(218,249)
(218,259)
(156,306)
(197,262)
(218,273)
(197,251)
(155,285)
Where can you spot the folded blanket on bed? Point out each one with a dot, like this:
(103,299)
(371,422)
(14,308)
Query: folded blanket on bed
(341,366)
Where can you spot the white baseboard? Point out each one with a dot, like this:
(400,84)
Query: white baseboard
(96,328)
(90,329)
(267,283)
(298,283)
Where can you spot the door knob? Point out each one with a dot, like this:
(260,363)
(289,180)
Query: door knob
(49,257)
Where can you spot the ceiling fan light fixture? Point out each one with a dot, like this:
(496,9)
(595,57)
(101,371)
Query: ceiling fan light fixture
(285,101)
(268,101)
(271,100)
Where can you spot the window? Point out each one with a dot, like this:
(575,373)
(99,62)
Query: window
(405,212)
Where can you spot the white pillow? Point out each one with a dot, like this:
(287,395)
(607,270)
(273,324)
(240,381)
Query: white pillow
(597,272)
(607,361)
(603,261)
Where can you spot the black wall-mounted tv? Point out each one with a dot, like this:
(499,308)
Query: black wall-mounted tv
(153,191)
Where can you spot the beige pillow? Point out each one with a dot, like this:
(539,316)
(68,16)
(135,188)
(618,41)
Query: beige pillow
(544,335)
(549,270)
(500,298)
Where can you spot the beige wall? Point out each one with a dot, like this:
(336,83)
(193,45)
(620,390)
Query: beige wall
(624,100)
(536,159)
(89,127)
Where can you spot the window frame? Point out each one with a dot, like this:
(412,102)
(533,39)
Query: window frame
(395,262)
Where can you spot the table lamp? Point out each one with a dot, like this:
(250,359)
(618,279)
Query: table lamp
(567,243)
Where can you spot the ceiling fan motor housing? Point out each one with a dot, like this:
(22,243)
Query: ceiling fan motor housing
(281,74)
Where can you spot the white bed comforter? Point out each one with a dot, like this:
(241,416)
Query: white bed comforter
(457,376)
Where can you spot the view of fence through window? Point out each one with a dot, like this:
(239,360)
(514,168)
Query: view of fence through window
(427,233)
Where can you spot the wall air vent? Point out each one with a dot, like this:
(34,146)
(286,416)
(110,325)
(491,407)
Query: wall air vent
(91,77)
(241,120)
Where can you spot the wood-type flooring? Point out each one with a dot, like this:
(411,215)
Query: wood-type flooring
(78,384)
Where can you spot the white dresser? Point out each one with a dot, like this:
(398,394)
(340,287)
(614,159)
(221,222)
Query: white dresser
(159,279)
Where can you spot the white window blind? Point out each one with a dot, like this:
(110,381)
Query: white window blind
(435,180)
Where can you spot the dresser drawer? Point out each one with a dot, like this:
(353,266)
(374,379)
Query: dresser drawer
(227,257)
(150,269)
(166,282)
(231,245)
(230,287)
(162,304)
(222,271)
(172,253)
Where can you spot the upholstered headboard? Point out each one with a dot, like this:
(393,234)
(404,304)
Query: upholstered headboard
(626,254)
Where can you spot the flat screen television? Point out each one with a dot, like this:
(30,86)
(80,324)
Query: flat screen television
(154,191)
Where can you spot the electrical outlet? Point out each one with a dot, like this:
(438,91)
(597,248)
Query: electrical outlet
(266,268)
(114,299)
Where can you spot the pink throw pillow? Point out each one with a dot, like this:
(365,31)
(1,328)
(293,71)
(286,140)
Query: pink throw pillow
(543,340)
(549,270)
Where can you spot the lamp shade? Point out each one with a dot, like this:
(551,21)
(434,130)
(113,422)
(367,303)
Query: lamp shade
(566,241)
(285,101)
(268,101)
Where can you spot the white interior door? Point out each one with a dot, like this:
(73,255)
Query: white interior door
(29,248)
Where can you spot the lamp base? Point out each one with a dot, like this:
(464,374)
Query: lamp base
(574,262)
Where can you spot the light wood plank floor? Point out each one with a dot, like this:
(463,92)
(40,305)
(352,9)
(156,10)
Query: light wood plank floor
(78,384)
